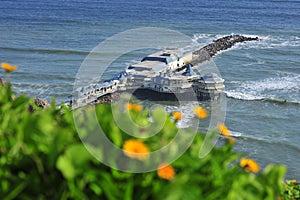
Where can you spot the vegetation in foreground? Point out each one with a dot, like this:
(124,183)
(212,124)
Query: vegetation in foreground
(42,157)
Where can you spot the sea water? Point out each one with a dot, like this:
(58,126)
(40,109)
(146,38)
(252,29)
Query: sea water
(48,40)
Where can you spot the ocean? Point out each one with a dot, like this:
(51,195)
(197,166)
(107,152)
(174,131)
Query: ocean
(49,40)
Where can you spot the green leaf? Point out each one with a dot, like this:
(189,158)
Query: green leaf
(97,189)
(74,161)
(16,191)
(66,167)
(129,190)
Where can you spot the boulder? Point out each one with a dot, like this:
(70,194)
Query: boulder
(41,103)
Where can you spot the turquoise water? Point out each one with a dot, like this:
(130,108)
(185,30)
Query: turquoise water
(48,40)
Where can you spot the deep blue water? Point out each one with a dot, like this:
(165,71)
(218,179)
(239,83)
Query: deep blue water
(48,40)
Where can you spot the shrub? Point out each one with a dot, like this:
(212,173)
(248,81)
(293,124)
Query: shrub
(42,157)
(291,190)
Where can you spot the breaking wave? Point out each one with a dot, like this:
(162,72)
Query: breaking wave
(248,97)
(280,89)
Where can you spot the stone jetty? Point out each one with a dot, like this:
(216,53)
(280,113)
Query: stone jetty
(210,50)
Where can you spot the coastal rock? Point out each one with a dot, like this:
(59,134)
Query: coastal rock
(41,103)
(108,98)
(221,44)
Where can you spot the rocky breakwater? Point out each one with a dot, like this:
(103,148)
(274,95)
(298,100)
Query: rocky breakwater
(210,50)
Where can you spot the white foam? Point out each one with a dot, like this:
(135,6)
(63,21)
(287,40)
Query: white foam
(290,82)
(186,110)
(258,62)
(197,37)
(235,134)
(242,95)
(269,88)
(265,42)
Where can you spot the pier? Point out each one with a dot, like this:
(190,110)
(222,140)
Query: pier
(167,72)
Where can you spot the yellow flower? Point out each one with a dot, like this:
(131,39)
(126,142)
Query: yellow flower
(200,112)
(231,140)
(177,115)
(129,106)
(134,107)
(166,171)
(138,107)
(249,165)
(223,129)
(8,68)
(135,149)
(294,181)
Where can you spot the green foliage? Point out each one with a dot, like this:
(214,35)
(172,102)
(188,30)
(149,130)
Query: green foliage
(291,190)
(42,157)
